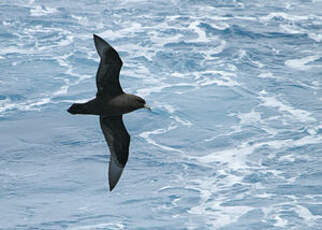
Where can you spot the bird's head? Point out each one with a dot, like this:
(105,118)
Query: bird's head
(140,103)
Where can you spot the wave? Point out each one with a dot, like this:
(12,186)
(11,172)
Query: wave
(42,10)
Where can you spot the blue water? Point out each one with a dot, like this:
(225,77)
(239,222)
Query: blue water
(234,140)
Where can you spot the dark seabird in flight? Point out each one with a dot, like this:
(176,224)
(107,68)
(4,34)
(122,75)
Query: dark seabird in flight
(110,104)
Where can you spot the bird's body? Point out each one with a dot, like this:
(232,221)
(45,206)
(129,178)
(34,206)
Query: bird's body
(118,105)
(110,104)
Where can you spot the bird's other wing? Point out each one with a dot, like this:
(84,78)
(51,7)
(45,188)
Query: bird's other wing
(118,141)
(107,76)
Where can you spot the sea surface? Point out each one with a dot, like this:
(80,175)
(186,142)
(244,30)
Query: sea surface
(234,141)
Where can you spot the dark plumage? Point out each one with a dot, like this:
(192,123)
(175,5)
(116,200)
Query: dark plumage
(110,104)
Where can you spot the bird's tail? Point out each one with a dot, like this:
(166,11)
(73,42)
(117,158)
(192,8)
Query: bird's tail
(91,107)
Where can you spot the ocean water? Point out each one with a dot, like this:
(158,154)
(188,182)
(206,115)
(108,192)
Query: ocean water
(234,141)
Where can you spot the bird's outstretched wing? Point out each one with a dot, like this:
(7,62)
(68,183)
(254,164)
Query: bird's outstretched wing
(107,77)
(118,141)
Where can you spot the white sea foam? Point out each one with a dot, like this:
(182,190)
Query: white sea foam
(316,37)
(178,75)
(157,89)
(82,20)
(216,50)
(42,29)
(285,16)
(72,101)
(176,118)
(136,50)
(224,79)
(298,114)
(62,61)
(63,90)
(69,40)
(143,92)
(258,63)
(247,18)
(161,40)
(308,140)
(294,29)
(267,75)
(146,135)
(236,158)
(301,64)
(220,25)
(129,28)
(42,10)
(29,105)
(182,121)
(305,213)
(6,23)
(276,51)
(169,108)
(264,195)
(139,71)
(35,104)
(314,130)
(205,78)
(14,49)
(290,158)
(279,221)
(291,29)
(110,35)
(222,216)
(202,37)
(111,226)
(215,214)
(249,118)
(316,83)
(243,54)
(6,105)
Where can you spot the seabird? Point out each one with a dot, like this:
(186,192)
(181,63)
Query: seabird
(110,104)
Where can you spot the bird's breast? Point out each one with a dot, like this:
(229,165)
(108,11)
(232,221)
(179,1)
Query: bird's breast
(118,106)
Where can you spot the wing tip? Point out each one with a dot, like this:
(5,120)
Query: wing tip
(114,173)
(100,44)
(112,187)
(95,36)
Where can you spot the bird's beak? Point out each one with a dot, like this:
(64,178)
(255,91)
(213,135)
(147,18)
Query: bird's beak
(147,107)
